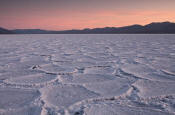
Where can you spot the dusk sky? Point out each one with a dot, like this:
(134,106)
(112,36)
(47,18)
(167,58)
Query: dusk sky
(79,14)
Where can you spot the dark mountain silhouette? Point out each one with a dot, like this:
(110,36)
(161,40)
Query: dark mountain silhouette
(5,31)
(152,28)
(31,31)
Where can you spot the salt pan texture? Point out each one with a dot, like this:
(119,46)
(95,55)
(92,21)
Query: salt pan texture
(87,74)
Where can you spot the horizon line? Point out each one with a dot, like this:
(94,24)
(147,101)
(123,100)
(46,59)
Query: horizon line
(88,28)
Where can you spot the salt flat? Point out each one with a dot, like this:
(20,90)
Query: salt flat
(87,74)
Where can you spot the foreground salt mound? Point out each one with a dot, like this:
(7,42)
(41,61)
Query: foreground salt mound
(114,109)
(146,72)
(99,70)
(110,88)
(65,95)
(15,69)
(29,110)
(16,98)
(149,88)
(34,79)
(85,78)
(165,64)
(54,69)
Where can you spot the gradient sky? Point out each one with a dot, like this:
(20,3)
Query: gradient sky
(79,14)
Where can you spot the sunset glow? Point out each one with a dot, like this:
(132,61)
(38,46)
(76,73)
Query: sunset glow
(79,14)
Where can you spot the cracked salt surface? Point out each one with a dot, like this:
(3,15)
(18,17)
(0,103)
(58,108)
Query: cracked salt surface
(87,75)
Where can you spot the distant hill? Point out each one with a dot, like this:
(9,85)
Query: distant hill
(152,28)
(5,31)
(31,31)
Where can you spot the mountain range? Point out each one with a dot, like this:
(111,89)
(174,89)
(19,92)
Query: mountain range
(5,31)
(152,28)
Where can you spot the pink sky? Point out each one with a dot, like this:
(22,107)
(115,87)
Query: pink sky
(61,15)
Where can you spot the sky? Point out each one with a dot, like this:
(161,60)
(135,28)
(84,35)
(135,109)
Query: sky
(79,14)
